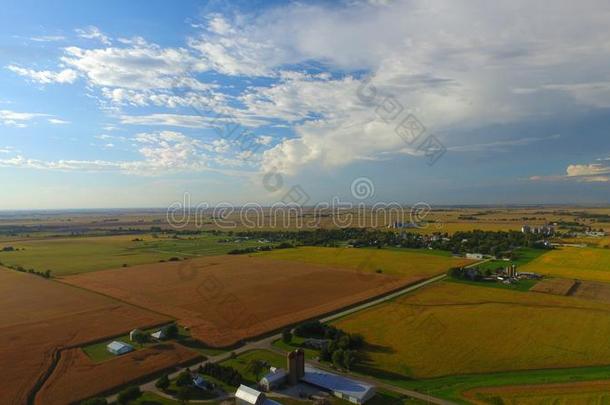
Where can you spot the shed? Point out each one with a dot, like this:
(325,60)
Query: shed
(159,335)
(117,348)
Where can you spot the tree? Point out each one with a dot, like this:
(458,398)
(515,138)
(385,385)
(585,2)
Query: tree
(286,336)
(349,359)
(183,394)
(129,394)
(337,358)
(256,367)
(162,383)
(171,331)
(184,379)
(139,337)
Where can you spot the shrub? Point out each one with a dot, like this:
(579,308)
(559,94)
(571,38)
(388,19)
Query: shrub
(162,383)
(129,394)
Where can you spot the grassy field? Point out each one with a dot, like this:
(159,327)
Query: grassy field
(589,392)
(150,398)
(524,256)
(64,256)
(571,262)
(240,363)
(450,328)
(296,343)
(400,262)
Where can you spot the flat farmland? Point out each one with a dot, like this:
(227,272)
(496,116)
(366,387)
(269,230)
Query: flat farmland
(74,255)
(76,377)
(453,329)
(224,299)
(573,262)
(585,392)
(38,317)
(397,262)
(556,286)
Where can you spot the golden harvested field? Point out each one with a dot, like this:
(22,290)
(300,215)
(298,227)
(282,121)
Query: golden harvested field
(450,328)
(224,299)
(403,262)
(573,262)
(39,316)
(576,393)
(556,286)
(77,378)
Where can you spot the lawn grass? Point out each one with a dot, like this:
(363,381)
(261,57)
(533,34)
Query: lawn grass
(150,398)
(64,256)
(296,343)
(523,256)
(451,328)
(572,262)
(422,263)
(452,387)
(97,352)
(240,363)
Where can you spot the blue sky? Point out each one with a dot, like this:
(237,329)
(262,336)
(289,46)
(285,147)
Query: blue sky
(132,104)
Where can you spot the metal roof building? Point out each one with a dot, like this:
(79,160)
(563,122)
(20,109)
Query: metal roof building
(118,348)
(274,379)
(249,396)
(350,390)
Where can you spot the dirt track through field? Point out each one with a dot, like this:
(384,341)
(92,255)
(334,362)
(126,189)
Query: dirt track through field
(39,317)
(226,299)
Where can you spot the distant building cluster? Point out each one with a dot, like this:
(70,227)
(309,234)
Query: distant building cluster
(510,275)
(545,230)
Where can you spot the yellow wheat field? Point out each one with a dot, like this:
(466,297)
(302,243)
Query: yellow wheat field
(451,328)
(573,262)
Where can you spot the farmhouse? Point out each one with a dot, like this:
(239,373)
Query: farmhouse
(249,396)
(159,335)
(117,348)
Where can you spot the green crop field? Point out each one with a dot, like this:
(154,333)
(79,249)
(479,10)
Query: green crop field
(74,255)
(402,262)
(523,256)
(452,329)
(572,262)
(585,392)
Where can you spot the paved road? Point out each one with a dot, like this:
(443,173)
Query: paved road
(267,344)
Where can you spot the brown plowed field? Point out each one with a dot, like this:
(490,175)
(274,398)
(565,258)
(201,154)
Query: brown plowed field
(225,299)
(555,286)
(592,290)
(38,317)
(77,378)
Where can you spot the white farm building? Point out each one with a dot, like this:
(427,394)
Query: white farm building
(117,348)
(354,391)
(249,396)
